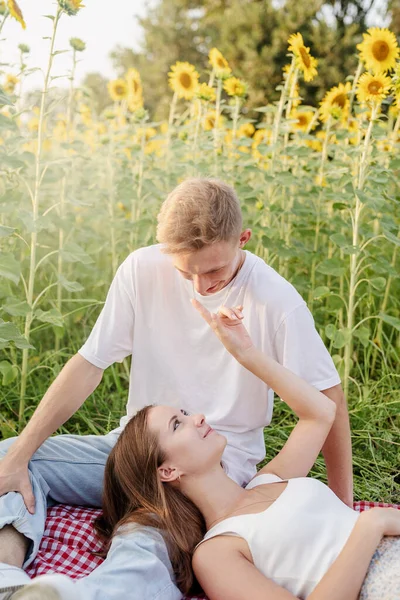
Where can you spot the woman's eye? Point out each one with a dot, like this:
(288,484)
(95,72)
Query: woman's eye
(185,412)
(176,423)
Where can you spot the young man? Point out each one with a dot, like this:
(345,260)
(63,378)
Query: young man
(148,314)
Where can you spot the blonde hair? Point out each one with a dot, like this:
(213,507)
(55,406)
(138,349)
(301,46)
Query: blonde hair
(199,212)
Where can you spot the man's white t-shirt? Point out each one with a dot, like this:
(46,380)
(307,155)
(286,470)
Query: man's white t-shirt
(177,359)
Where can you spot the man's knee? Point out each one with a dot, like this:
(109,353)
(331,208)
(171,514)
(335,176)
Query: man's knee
(37,592)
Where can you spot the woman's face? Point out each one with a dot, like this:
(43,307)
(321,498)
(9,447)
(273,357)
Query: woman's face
(191,446)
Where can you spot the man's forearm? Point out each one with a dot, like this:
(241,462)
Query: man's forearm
(337,450)
(75,382)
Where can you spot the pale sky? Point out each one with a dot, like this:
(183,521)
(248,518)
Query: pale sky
(102,24)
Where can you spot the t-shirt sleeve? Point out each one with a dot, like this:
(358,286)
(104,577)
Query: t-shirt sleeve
(111,339)
(299,348)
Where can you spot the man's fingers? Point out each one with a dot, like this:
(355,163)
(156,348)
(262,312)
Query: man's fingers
(202,310)
(229,312)
(29,498)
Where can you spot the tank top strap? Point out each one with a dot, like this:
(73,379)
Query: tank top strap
(263,479)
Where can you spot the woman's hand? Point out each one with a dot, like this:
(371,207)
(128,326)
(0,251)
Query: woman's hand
(227,325)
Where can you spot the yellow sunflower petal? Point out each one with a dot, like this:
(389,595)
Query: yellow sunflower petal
(302,119)
(184,80)
(373,88)
(205,93)
(10,83)
(235,87)
(16,12)
(219,63)
(118,89)
(304,61)
(379,49)
(71,7)
(336,102)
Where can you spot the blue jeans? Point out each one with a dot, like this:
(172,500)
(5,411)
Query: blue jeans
(69,469)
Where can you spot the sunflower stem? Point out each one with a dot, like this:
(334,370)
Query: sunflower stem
(318,210)
(3,21)
(136,207)
(35,210)
(235,124)
(358,207)
(216,124)
(170,125)
(395,130)
(357,75)
(68,130)
(196,130)
(378,336)
(279,112)
(289,104)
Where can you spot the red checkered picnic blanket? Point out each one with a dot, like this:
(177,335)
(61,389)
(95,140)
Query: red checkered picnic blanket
(69,541)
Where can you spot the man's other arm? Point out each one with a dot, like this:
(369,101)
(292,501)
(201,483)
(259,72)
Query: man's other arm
(75,382)
(337,449)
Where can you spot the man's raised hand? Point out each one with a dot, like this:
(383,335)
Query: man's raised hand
(228,326)
(15,478)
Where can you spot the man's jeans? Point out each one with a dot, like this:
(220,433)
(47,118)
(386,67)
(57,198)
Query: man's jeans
(69,469)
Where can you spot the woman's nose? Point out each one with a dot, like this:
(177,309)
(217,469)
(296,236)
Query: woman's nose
(199,420)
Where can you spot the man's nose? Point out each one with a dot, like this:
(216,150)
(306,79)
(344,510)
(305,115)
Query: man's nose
(200,284)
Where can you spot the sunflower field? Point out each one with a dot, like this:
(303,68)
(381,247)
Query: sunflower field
(319,187)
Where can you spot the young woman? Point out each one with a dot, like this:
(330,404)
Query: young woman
(284,536)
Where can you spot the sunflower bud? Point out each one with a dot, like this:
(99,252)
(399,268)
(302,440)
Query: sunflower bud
(71,7)
(3,7)
(77,44)
(140,114)
(24,49)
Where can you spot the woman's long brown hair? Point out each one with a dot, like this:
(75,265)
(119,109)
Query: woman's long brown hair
(134,493)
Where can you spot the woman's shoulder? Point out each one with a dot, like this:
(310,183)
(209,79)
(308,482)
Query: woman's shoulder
(262,479)
(211,549)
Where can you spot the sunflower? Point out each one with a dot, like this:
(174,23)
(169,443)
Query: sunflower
(304,61)
(396,85)
(335,102)
(71,7)
(261,136)
(373,88)
(16,12)
(183,79)
(3,7)
(118,89)
(246,130)
(134,81)
(302,119)
(10,83)
(209,121)
(85,113)
(23,48)
(379,50)
(206,93)
(77,44)
(235,87)
(135,90)
(219,63)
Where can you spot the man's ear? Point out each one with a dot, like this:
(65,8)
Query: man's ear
(168,474)
(244,237)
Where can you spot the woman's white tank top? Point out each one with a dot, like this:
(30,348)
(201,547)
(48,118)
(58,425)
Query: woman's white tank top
(296,539)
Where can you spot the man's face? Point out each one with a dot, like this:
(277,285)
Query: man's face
(210,268)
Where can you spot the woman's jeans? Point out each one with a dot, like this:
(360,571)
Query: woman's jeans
(69,469)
